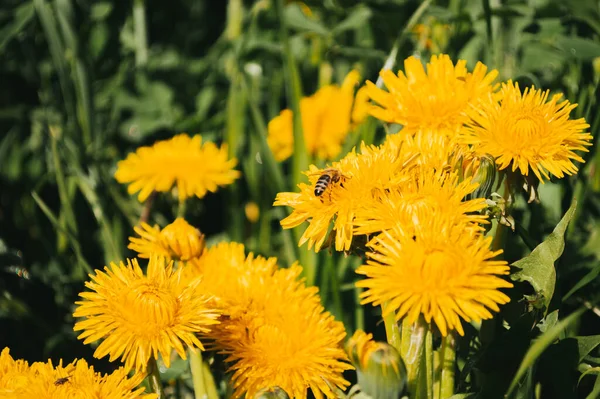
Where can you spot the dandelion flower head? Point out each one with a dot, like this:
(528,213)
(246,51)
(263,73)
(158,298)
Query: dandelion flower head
(326,121)
(440,271)
(435,97)
(141,315)
(526,130)
(362,177)
(283,338)
(429,192)
(15,375)
(182,161)
(179,240)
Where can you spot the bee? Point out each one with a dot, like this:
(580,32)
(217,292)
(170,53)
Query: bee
(330,175)
(62,380)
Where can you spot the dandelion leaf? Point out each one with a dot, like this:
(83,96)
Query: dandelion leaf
(537,268)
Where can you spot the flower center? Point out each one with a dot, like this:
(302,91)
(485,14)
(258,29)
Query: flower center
(149,308)
(527,127)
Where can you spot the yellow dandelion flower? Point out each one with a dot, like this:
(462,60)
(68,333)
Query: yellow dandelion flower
(179,240)
(429,192)
(325,122)
(15,375)
(78,380)
(360,347)
(361,177)
(195,168)
(528,131)
(226,272)
(139,315)
(437,98)
(252,212)
(443,272)
(438,149)
(274,330)
(284,338)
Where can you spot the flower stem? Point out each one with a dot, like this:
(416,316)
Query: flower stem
(200,391)
(392,331)
(413,352)
(181,209)
(447,360)
(154,378)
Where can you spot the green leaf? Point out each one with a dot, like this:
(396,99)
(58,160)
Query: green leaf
(538,268)
(296,19)
(540,345)
(585,280)
(586,344)
(580,48)
(22,17)
(464,396)
(357,18)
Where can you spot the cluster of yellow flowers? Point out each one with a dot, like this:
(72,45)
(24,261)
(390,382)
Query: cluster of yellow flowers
(269,324)
(427,253)
(18,379)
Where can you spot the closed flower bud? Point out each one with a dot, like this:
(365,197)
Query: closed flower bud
(380,370)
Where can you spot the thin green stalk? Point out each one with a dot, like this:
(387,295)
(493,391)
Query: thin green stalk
(140,32)
(154,378)
(66,205)
(294,94)
(234,19)
(359,311)
(427,379)
(392,331)
(408,28)
(200,391)
(181,208)
(447,365)
(209,382)
(84,265)
(335,291)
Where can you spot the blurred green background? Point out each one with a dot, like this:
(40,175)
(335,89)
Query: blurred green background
(83,83)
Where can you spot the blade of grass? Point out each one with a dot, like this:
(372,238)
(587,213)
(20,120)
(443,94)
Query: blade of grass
(57,51)
(112,250)
(294,94)
(391,58)
(140,32)
(84,265)
(63,193)
(79,73)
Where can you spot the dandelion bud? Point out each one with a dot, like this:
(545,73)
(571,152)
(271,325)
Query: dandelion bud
(271,393)
(483,171)
(380,370)
(183,240)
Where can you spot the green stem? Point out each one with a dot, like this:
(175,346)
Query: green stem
(154,378)
(427,379)
(359,313)
(447,364)
(200,391)
(181,208)
(294,94)
(141,38)
(413,350)
(392,331)
(234,19)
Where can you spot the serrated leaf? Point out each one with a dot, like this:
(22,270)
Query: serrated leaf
(357,18)
(538,267)
(297,20)
(539,346)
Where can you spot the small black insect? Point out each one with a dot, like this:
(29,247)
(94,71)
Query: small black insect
(62,380)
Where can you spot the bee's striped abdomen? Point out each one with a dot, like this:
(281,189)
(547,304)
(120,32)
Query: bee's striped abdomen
(322,184)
